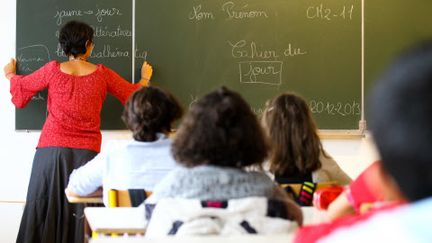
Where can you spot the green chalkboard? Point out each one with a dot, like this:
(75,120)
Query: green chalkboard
(259,48)
(391,28)
(38,23)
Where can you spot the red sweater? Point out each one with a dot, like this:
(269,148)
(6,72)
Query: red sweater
(315,233)
(74,103)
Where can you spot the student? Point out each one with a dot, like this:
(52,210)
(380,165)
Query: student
(372,192)
(217,139)
(71,134)
(401,123)
(297,154)
(139,163)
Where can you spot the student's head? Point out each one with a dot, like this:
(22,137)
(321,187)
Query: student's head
(220,129)
(295,145)
(401,121)
(150,110)
(76,38)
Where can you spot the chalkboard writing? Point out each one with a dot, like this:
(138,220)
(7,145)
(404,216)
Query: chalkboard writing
(259,48)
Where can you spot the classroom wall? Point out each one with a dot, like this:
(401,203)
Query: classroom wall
(17,148)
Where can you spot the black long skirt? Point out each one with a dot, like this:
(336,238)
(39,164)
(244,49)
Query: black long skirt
(48,217)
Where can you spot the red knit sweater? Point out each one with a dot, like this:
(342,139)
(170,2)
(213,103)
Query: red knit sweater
(74,103)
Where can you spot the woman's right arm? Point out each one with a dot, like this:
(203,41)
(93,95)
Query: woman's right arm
(24,87)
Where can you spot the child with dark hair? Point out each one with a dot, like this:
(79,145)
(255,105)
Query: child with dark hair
(217,140)
(401,123)
(297,154)
(71,133)
(133,164)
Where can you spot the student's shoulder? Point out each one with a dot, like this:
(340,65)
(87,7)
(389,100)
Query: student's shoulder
(174,179)
(117,144)
(182,175)
(236,172)
(328,163)
(326,159)
(260,176)
(162,140)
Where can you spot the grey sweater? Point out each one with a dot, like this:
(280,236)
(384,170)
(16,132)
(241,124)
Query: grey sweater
(212,183)
(220,183)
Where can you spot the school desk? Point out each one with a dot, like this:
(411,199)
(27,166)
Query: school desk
(131,220)
(285,238)
(96,197)
(84,200)
(116,220)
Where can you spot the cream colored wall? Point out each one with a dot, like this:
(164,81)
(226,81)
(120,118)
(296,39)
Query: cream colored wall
(17,148)
(353,155)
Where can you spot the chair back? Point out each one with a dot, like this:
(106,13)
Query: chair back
(126,198)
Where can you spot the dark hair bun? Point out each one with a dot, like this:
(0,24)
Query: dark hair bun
(151,110)
(74,36)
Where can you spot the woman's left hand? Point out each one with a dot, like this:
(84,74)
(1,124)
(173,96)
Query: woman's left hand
(146,71)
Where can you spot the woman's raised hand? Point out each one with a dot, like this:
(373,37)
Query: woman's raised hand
(10,69)
(146,74)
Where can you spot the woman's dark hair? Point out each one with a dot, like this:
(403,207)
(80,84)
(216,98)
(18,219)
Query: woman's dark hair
(295,144)
(150,110)
(220,129)
(74,36)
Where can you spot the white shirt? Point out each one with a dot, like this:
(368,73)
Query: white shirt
(124,164)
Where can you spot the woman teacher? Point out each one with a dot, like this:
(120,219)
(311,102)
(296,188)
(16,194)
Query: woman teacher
(71,134)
